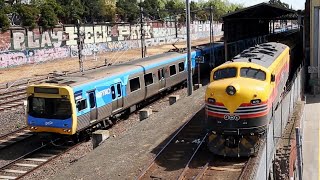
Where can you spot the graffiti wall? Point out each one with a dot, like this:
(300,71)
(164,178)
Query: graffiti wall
(20,46)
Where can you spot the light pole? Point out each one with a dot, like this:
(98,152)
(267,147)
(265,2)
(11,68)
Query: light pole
(189,48)
(80,45)
(143,54)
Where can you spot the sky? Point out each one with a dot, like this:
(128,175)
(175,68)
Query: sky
(296,4)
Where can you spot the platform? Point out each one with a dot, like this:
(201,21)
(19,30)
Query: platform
(311,134)
(122,157)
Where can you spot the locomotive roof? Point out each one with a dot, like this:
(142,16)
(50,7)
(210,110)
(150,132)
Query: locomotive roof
(263,54)
(108,71)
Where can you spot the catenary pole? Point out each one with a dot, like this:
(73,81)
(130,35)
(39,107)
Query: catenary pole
(189,48)
(80,46)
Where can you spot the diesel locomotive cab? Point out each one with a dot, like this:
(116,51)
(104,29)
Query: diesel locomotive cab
(237,99)
(50,109)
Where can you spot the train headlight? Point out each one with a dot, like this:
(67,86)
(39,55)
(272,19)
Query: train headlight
(211,100)
(231,90)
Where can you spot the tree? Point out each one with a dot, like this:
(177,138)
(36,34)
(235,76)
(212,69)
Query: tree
(73,10)
(4,22)
(48,18)
(28,14)
(279,3)
(128,10)
(152,8)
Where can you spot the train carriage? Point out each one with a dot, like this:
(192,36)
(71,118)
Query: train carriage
(242,96)
(68,105)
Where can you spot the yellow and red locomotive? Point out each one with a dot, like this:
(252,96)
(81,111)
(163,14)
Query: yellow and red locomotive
(242,96)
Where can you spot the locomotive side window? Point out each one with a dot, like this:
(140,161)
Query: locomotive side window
(148,79)
(225,73)
(253,73)
(134,84)
(173,70)
(181,66)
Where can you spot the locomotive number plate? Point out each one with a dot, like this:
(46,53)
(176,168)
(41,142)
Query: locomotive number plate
(231,117)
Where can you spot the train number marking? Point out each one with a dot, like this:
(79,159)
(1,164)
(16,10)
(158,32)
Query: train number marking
(231,117)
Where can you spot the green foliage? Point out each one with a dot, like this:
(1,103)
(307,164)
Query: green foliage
(279,3)
(4,22)
(29,14)
(128,10)
(48,18)
(48,13)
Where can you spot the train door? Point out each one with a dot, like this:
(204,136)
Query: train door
(162,79)
(93,105)
(117,98)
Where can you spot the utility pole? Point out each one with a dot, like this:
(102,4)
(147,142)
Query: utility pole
(189,48)
(80,45)
(175,24)
(212,57)
(143,54)
(299,152)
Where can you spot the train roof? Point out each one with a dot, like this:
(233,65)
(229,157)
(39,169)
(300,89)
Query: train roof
(108,71)
(264,54)
(117,69)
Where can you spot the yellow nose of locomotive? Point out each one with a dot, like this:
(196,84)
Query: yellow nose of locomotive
(232,93)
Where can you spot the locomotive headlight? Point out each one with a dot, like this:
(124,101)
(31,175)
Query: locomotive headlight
(211,100)
(231,90)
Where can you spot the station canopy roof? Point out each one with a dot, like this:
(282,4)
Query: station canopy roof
(262,11)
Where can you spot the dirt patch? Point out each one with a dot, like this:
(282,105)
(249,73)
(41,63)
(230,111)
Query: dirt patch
(72,64)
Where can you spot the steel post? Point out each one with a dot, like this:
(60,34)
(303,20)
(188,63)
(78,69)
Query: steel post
(189,48)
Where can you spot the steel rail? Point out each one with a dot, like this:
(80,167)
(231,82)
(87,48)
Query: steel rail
(166,145)
(194,153)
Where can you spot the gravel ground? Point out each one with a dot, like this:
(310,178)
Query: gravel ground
(124,156)
(12,120)
(53,169)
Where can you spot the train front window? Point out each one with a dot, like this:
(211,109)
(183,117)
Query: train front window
(225,73)
(249,72)
(51,108)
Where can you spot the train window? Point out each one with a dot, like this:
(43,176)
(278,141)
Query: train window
(92,100)
(134,84)
(81,104)
(173,70)
(225,73)
(113,92)
(181,66)
(160,74)
(148,79)
(119,90)
(51,108)
(253,73)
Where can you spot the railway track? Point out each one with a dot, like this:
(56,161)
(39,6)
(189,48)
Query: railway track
(177,152)
(185,156)
(33,160)
(14,137)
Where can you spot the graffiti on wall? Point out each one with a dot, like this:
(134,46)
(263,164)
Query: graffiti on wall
(20,46)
